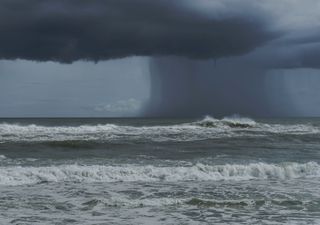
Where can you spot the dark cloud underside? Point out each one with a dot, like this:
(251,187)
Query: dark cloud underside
(65,31)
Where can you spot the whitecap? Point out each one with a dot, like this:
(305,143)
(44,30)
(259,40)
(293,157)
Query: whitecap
(17,175)
(208,128)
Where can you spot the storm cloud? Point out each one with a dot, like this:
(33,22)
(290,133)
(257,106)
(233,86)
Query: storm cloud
(246,84)
(214,57)
(66,31)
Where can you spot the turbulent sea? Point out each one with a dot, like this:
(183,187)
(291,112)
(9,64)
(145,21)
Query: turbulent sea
(160,171)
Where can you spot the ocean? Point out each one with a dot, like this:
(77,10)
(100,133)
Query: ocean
(233,170)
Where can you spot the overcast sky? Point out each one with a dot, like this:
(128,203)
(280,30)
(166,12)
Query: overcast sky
(110,88)
(159,58)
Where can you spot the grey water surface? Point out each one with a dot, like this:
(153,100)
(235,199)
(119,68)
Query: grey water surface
(160,171)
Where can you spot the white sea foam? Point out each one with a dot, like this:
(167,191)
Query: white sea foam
(16,175)
(227,122)
(207,128)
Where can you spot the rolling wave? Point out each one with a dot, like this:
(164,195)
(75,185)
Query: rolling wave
(118,201)
(16,175)
(227,122)
(208,128)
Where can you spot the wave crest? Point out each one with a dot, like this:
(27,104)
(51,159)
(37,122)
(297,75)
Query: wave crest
(232,122)
(133,173)
(208,128)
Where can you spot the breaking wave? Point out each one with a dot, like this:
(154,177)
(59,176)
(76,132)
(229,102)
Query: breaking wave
(17,175)
(208,128)
(231,122)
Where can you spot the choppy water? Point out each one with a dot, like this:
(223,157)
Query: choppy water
(156,171)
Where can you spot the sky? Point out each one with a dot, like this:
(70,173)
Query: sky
(119,58)
(40,89)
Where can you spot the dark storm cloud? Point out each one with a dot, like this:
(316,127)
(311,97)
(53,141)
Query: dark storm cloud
(66,31)
(299,49)
(287,54)
(302,56)
(305,57)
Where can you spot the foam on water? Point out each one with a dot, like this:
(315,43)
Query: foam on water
(16,175)
(227,122)
(63,174)
(208,128)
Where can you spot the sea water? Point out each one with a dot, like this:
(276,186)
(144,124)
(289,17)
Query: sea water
(160,171)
